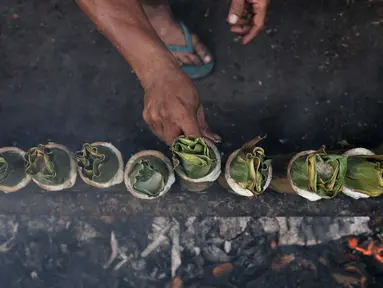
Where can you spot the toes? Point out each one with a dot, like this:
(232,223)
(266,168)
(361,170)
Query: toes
(188,59)
(201,50)
(195,59)
(184,59)
(200,56)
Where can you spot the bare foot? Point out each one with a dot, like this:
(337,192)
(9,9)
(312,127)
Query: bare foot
(171,33)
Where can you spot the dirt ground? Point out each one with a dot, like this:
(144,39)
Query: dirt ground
(313,77)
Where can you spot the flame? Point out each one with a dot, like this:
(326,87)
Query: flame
(372,249)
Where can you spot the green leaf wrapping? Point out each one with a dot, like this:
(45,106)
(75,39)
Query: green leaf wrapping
(90,160)
(365,174)
(4,169)
(39,163)
(12,173)
(250,168)
(320,173)
(147,179)
(194,155)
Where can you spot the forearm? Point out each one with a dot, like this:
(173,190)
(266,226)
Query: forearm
(125,24)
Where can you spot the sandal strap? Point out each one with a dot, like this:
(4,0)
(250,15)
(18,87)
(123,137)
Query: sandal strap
(188,48)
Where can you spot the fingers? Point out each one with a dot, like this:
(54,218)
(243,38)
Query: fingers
(205,130)
(165,130)
(243,25)
(189,126)
(240,29)
(170,132)
(155,126)
(243,21)
(157,129)
(253,32)
(259,9)
(236,11)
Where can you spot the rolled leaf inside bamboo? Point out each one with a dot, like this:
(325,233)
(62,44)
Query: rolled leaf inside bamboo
(364,177)
(197,162)
(12,170)
(148,175)
(100,164)
(51,166)
(316,175)
(248,172)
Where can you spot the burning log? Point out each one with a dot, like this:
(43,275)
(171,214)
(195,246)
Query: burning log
(372,249)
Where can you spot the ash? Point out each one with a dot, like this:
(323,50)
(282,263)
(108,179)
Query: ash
(187,252)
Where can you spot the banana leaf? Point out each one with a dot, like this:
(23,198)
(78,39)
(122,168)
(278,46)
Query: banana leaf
(147,179)
(39,163)
(4,169)
(365,174)
(12,168)
(320,173)
(90,160)
(194,155)
(250,168)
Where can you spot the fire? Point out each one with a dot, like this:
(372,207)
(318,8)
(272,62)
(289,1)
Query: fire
(372,249)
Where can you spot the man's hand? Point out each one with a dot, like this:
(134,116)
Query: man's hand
(172,108)
(247,18)
(172,104)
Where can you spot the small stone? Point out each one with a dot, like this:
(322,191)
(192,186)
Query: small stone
(34,275)
(227,247)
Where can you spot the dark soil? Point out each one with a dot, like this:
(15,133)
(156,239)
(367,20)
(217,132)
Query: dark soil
(314,76)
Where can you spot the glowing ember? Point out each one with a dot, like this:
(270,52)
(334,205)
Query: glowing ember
(372,249)
(222,270)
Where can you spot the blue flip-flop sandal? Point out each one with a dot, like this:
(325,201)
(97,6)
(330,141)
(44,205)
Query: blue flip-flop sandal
(194,71)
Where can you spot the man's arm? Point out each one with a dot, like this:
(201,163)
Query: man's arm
(171,104)
(125,24)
